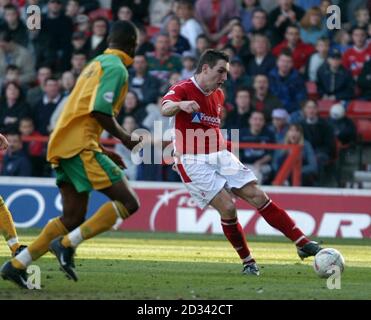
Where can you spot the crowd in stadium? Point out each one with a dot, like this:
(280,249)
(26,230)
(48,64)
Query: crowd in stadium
(285,63)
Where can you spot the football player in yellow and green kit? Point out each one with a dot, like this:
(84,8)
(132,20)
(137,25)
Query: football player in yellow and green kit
(7,228)
(80,163)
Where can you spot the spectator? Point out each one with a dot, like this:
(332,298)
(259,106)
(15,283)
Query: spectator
(16,162)
(13,53)
(15,26)
(319,133)
(237,78)
(263,100)
(259,160)
(97,42)
(132,107)
(79,42)
(190,27)
(73,9)
(178,43)
(238,117)
(334,82)
(139,8)
(189,65)
(239,42)
(144,45)
(261,61)
(12,107)
(44,109)
(343,127)
(312,27)
(68,81)
(202,44)
(309,168)
(287,13)
(124,13)
(280,124)
(260,24)
(287,84)
(162,61)
(364,81)
(35,94)
(216,17)
(341,41)
(362,18)
(78,62)
(12,74)
(58,29)
(35,149)
(355,57)
(3,3)
(146,87)
(318,58)
(300,51)
(246,13)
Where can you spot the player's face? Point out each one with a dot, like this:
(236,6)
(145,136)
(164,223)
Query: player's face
(217,75)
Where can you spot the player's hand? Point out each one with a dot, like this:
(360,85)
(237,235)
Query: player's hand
(134,142)
(189,106)
(3,143)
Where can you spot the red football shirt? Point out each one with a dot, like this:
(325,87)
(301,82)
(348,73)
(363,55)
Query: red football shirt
(197,132)
(354,59)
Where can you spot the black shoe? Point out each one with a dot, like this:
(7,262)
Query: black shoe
(17,276)
(309,249)
(65,257)
(19,250)
(251,269)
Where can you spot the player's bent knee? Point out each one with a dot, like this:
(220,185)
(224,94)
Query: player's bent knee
(228,211)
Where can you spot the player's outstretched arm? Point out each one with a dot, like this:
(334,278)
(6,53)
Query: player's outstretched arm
(171,108)
(111,125)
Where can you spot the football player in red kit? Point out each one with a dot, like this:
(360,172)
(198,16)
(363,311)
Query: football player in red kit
(208,170)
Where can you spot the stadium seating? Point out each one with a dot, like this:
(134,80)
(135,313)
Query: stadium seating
(359,109)
(324,107)
(312,90)
(101,12)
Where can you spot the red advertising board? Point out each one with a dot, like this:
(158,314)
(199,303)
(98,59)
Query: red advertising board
(318,212)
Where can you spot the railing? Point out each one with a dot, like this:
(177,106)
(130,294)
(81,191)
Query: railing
(291,165)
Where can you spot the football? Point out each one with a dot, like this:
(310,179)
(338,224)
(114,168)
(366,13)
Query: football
(326,261)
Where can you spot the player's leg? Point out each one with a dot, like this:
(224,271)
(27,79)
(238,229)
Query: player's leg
(233,231)
(124,203)
(74,210)
(277,218)
(7,228)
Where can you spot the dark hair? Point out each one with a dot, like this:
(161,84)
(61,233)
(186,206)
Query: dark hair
(17,85)
(188,3)
(80,52)
(52,78)
(12,67)
(295,26)
(358,28)
(123,35)
(211,57)
(285,52)
(243,88)
(11,6)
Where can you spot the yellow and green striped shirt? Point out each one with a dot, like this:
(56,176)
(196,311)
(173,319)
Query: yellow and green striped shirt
(101,87)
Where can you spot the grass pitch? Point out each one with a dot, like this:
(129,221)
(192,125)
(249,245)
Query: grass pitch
(129,266)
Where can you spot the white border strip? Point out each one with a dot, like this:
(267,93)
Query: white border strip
(48,182)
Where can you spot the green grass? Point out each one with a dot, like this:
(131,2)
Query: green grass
(169,266)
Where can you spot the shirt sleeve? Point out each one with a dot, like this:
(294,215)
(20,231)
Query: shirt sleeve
(175,94)
(109,88)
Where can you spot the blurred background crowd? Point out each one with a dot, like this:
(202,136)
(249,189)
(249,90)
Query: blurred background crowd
(292,79)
